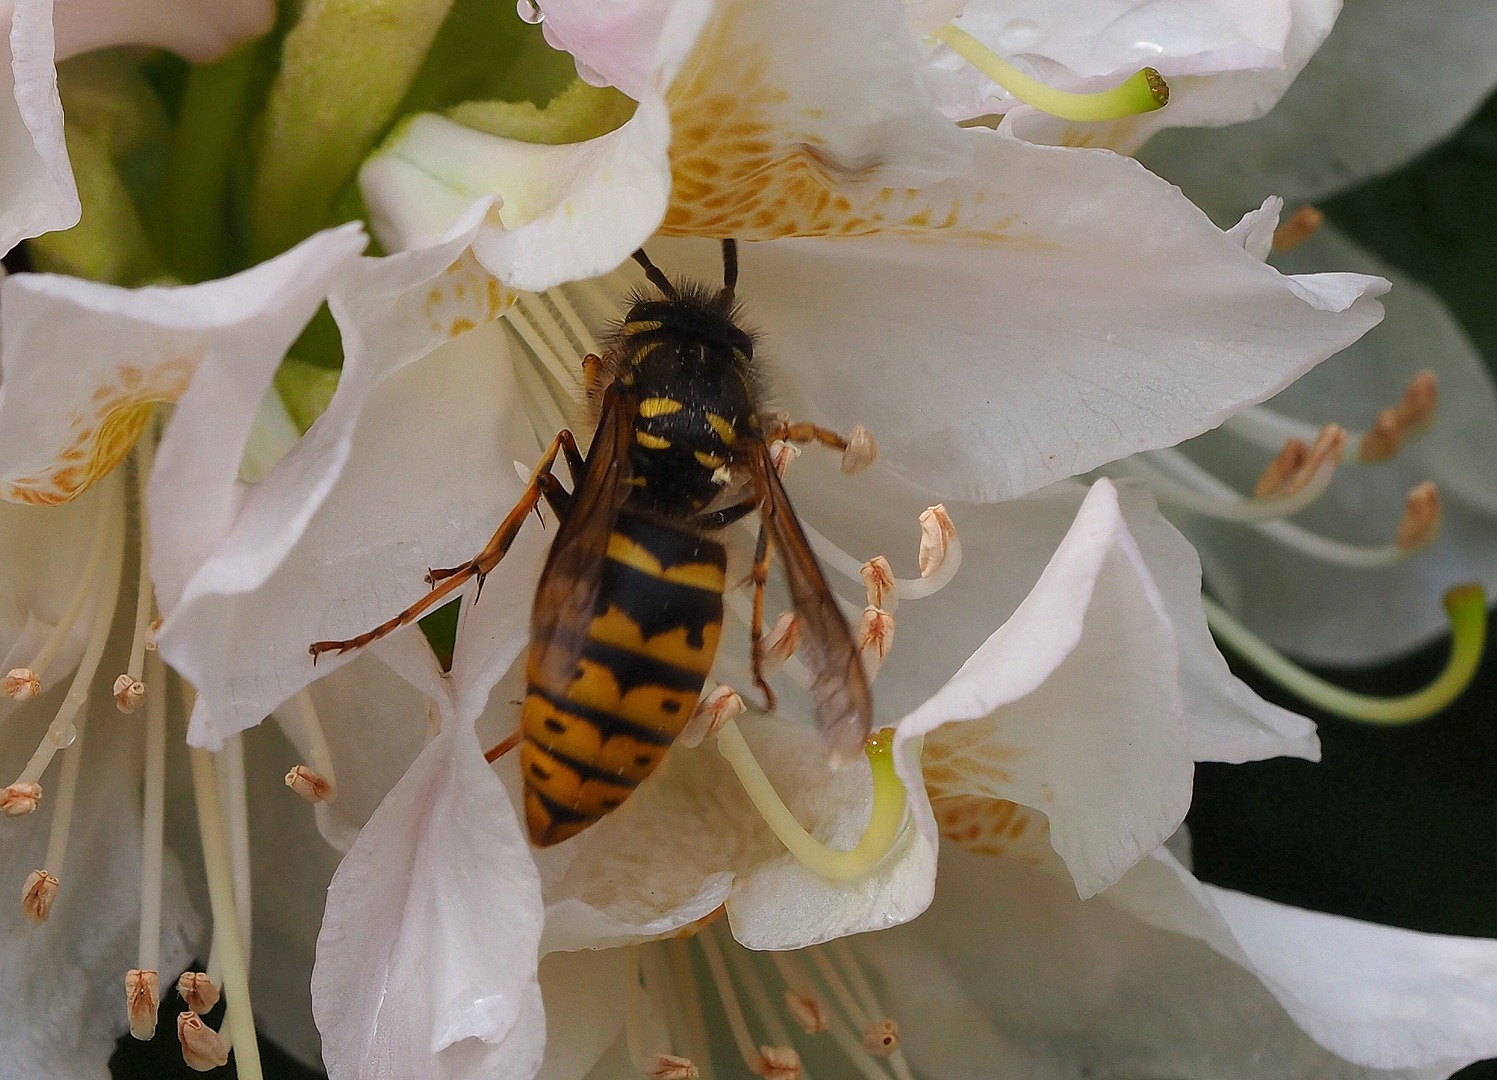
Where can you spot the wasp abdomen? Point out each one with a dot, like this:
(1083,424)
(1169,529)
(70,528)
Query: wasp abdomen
(649,648)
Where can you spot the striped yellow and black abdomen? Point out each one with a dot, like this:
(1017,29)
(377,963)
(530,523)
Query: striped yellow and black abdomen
(651,643)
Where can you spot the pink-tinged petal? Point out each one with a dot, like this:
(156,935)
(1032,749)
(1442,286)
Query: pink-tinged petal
(37,193)
(1046,312)
(418,972)
(615,41)
(200,30)
(1072,707)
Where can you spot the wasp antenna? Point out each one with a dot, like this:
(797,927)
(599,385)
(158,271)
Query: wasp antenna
(655,274)
(730,268)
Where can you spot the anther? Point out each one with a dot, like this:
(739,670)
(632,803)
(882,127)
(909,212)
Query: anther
(1327,449)
(37,895)
(780,643)
(672,1067)
(142,998)
(128,693)
(21,684)
(1383,439)
(198,991)
(881,1039)
(875,638)
(861,451)
(878,579)
(781,454)
(309,784)
(18,800)
(806,1011)
(711,713)
(1418,402)
(1420,525)
(1302,224)
(1288,462)
(151,632)
(202,1048)
(778,1063)
(936,534)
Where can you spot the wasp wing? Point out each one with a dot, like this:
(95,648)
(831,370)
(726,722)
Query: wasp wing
(839,686)
(567,594)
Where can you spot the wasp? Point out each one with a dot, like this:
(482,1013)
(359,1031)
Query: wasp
(629,606)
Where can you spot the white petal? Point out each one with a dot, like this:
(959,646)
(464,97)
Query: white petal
(584,996)
(62,1001)
(37,193)
(1376,995)
(1078,310)
(688,841)
(200,30)
(1387,84)
(426,964)
(1066,988)
(1205,99)
(1338,615)
(84,361)
(618,41)
(1073,706)
(411,467)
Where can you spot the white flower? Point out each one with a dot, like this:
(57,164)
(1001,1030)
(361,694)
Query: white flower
(85,366)
(37,193)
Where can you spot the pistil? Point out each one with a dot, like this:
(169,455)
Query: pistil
(1466,605)
(1142,92)
(884,822)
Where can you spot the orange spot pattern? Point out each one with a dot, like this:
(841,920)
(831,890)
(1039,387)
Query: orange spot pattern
(463,296)
(746,164)
(102,432)
(988,826)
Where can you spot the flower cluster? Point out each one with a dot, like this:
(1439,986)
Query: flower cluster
(228,432)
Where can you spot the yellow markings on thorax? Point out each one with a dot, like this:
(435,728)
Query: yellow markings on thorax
(616,628)
(700,575)
(723,427)
(652,407)
(651,442)
(710,461)
(641,326)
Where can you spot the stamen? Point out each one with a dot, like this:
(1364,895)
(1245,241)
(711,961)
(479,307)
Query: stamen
(1466,605)
(1275,478)
(861,451)
(142,999)
(37,895)
(940,558)
(1143,91)
(936,534)
(804,1005)
(574,321)
(199,991)
(693,1033)
(878,580)
(1199,492)
(671,1067)
(1418,528)
(27,680)
(770,1062)
(234,806)
(712,712)
(1420,525)
(153,800)
(239,1020)
(882,1038)
(1394,426)
(1302,224)
(884,822)
(129,690)
(62,732)
(316,783)
(875,639)
(758,993)
(648,1043)
(850,1044)
(853,972)
(18,800)
(202,1048)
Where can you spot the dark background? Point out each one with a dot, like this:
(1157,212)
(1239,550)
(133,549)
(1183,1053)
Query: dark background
(1396,826)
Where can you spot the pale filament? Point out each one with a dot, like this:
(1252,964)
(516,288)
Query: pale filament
(757,992)
(1270,429)
(235,808)
(321,758)
(154,807)
(690,999)
(1336,552)
(144,596)
(1194,489)
(904,588)
(92,566)
(642,1019)
(62,731)
(728,996)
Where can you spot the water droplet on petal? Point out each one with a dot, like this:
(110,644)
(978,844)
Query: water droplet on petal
(64,738)
(529,11)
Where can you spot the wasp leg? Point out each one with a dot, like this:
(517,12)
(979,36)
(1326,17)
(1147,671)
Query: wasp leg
(504,746)
(730,271)
(760,577)
(781,428)
(480,567)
